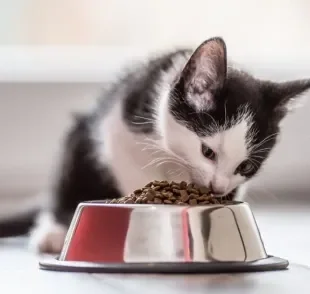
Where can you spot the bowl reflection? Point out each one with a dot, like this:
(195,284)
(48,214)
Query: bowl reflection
(116,233)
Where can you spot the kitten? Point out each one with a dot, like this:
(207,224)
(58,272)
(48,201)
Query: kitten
(184,116)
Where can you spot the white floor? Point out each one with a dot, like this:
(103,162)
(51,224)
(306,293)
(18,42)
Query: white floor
(285,230)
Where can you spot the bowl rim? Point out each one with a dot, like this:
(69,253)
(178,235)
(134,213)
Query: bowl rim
(270,263)
(104,204)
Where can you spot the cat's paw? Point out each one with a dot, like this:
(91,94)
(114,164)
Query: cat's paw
(48,241)
(47,236)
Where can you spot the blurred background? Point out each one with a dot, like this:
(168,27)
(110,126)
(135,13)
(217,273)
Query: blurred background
(56,55)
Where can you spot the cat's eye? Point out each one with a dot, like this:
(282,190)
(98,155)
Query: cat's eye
(207,152)
(245,168)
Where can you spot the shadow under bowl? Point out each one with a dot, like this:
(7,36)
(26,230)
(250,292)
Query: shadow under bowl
(142,238)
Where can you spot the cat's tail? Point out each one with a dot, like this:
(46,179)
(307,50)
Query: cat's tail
(17,214)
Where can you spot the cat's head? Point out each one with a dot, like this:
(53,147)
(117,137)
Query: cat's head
(222,122)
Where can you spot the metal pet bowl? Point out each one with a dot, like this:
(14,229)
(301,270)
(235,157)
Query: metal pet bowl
(163,239)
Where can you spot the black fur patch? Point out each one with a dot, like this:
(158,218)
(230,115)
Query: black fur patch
(142,93)
(80,177)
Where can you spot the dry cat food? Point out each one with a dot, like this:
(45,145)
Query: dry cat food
(163,192)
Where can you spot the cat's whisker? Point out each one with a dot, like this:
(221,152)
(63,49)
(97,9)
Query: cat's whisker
(253,162)
(179,175)
(266,148)
(144,118)
(263,150)
(159,160)
(153,142)
(265,140)
(256,146)
(174,171)
(170,172)
(225,115)
(142,123)
(167,161)
(149,146)
(170,162)
(156,152)
(258,156)
(155,146)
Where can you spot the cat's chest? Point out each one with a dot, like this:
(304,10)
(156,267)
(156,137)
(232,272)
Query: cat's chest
(135,159)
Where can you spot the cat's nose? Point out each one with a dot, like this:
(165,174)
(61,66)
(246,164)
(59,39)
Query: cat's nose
(217,189)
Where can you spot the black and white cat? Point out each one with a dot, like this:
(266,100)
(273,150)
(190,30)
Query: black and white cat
(185,116)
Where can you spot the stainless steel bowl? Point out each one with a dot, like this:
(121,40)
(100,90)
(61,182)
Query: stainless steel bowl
(164,238)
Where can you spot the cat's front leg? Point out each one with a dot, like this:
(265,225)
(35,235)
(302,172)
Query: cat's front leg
(79,177)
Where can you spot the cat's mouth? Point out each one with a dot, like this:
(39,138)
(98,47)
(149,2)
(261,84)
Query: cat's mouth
(228,196)
(225,196)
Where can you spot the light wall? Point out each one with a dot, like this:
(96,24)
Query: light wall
(256,27)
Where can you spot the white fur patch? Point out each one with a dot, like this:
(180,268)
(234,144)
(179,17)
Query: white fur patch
(135,159)
(231,149)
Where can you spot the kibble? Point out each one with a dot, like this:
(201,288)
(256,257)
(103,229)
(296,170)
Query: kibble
(171,193)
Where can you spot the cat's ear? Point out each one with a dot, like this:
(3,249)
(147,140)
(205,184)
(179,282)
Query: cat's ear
(205,73)
(284,97)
